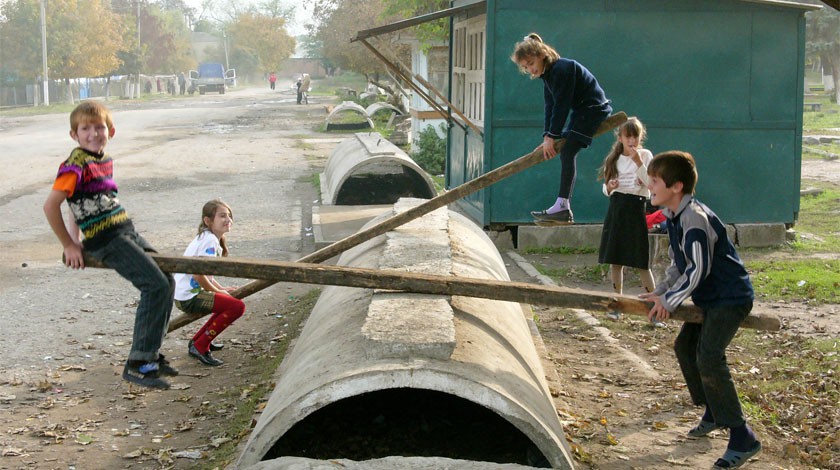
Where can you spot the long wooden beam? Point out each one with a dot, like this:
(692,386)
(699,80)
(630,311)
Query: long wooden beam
(392,280)
(481,182)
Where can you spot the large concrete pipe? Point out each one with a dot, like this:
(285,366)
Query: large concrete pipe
(377,373)
(367,169)
(342,110)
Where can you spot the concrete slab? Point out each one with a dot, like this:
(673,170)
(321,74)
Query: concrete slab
(333,223)
(478,351)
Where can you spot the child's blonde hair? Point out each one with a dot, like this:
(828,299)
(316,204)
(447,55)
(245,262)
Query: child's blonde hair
(632,128)
(532,45)
(90,111)
(209,210)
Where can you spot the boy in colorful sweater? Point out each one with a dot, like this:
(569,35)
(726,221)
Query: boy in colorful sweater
(85,181)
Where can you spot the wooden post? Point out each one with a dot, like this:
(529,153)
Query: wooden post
(309,273)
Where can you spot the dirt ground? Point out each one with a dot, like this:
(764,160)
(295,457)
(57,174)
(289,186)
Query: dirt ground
(66,334)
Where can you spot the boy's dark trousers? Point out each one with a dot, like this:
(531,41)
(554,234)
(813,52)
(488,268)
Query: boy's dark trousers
(127,254)
(701,352)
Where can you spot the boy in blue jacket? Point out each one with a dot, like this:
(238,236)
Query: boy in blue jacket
(705,267)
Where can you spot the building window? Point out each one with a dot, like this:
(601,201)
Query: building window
(468,58)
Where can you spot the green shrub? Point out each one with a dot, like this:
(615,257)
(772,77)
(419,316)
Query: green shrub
(431,150)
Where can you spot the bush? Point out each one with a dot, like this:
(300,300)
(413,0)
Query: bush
(431,150)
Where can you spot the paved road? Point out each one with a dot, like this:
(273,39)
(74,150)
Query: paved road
(170,157)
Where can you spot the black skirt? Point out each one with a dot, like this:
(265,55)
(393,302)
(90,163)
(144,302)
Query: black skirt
(624,239)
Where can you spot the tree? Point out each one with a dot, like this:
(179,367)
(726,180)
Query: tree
(75,46)
(275,9)
(165,40)
(427,33)
(822,31)
(20,36)
(265,36)
(338,21)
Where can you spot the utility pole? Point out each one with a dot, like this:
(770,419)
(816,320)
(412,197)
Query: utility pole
(44,53)
(227,63)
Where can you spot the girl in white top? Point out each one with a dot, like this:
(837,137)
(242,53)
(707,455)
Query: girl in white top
(202,294)
(624,239)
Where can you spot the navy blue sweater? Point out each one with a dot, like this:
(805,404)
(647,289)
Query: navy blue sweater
(704,263)
(570,87)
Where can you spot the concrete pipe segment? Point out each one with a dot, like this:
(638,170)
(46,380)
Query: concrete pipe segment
(379,374)
(367,169)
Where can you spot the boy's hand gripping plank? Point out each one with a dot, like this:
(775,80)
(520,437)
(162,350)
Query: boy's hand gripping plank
(310,273)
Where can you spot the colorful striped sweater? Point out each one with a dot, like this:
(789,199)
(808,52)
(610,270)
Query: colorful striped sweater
(93,200)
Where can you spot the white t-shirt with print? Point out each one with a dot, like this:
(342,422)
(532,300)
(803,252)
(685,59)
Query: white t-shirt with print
(204,244)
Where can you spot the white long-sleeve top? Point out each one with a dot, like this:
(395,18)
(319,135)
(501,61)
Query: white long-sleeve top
(632,179)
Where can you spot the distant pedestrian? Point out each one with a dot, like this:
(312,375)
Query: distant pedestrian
(299,92)
(182,82)
(305,83)
(202,294)
(86,181)
(272,79)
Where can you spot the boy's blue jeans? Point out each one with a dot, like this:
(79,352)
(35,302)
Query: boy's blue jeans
(701,352)
(127,255)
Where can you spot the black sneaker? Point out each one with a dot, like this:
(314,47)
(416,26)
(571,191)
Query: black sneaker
(206,358)
(165,367)
(146,374)
(216,346)
(544,219)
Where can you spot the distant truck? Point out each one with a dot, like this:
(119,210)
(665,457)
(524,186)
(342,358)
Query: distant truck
(210,76)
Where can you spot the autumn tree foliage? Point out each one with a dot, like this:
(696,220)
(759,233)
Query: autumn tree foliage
(262,36)
(76,47)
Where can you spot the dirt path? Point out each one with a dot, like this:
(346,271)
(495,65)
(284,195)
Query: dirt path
(65,334)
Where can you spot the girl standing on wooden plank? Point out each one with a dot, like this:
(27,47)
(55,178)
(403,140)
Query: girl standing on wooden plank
(571,93)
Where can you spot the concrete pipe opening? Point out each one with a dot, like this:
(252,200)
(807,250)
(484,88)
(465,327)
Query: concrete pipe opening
(367,169)
(348,116)
(383,373)
(407,422)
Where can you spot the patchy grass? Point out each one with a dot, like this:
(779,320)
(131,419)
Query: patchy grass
(807,280)
(253,396)
(61,108)
(329,85)
(820,121)
(819,221)
(821,151)
(306,146)
(561,250)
